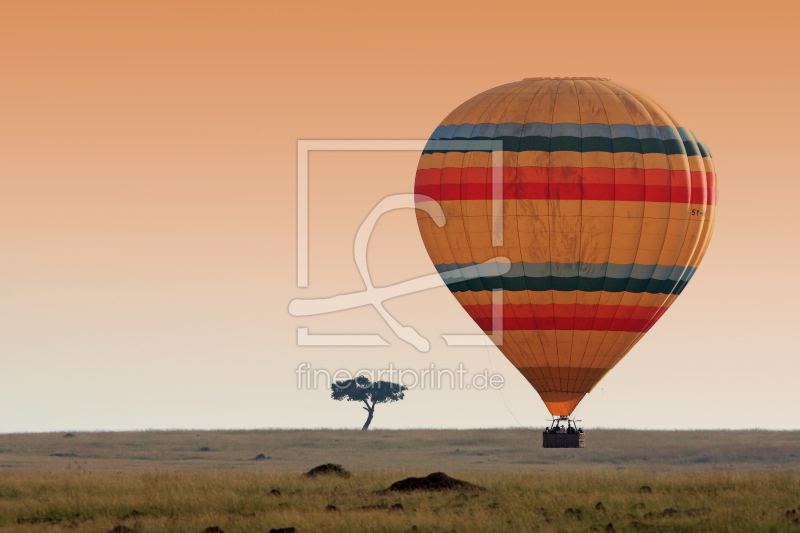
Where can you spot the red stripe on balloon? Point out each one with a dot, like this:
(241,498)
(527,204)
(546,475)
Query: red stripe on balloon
(629,318)
(570,183)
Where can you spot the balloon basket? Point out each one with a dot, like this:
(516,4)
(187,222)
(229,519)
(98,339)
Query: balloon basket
(563,433)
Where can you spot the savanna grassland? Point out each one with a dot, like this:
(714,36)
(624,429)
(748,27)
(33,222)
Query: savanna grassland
(189,481)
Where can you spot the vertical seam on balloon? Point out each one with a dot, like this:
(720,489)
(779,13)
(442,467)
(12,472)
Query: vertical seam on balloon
(666,297)
(583,354)
(570,383)
(712,222)
(477,100)
(703,239)
(609,357)
(550,221)
(580,253)
(635,339)
(526,355)
(491,170)
(454,121)
(698,250)
(626,346)
(523,356)
(669,164)
(485,94)
(546,378)
(614,357)
(485,112)
(536,366)
(462,207)
(613,216)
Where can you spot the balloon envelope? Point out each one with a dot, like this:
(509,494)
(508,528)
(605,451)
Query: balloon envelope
(603,202)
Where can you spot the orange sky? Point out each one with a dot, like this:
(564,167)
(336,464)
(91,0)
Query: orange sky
(147,204)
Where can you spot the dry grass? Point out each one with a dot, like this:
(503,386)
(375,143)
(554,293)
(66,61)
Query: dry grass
(701,481)
(424,451)
(241,501)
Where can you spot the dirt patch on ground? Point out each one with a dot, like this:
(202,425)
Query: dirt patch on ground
(435,481)
(600,507)
(39,520)
(328,469)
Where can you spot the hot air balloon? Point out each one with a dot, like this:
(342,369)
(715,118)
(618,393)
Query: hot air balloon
(604,206)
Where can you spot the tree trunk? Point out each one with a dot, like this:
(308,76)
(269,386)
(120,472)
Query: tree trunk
(369,419)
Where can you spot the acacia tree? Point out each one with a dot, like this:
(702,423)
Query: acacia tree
(361,389)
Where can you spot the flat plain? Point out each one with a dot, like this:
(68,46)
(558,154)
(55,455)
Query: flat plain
(159,481)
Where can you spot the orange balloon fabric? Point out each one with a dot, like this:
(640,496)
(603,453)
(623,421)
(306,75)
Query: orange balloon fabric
(602,201)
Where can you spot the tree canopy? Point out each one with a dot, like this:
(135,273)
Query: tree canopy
(361,389)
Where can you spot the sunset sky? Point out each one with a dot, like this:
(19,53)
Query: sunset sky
(148,163)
